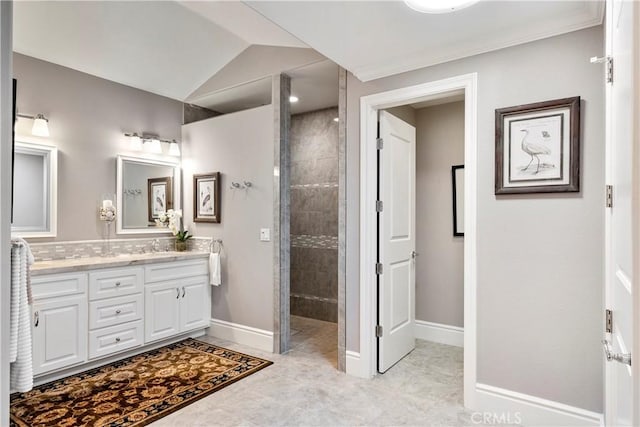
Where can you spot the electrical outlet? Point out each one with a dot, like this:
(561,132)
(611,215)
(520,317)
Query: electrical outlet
(265,235)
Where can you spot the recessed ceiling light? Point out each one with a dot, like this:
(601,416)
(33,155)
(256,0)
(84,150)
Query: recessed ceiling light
(438,6)
(293,98)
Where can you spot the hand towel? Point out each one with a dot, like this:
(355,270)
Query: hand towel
(215,270)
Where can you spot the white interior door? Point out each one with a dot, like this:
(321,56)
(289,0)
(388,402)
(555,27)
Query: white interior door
(619,393)
(396,240)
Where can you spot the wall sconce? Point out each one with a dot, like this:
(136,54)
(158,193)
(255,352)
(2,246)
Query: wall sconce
(152,144)
(40,124)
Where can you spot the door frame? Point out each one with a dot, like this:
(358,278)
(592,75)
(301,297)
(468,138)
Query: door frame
(369,106)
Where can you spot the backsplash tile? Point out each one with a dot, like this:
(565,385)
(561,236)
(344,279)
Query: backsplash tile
(94,248)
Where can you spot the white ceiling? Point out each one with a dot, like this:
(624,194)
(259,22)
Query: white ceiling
(176,48)
(374,39)
(158,46)
(243,21)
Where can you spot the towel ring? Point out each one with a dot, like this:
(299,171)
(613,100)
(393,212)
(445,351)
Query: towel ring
(215,246)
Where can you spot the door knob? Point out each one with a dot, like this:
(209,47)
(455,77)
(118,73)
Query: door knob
(624,358)
(414,254)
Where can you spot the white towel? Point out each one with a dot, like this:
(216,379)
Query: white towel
(215,270)
(20,351)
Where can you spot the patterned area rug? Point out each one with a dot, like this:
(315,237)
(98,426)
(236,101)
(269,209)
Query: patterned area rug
(134,391)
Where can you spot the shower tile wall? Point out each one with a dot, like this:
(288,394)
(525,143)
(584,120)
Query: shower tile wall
(314,215)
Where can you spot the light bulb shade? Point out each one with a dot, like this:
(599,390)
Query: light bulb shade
(153,146)
(40,126)
(438,6)
(135,143)
(174,149)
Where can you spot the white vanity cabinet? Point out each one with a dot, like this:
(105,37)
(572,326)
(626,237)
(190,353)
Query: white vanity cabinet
(82,317)
(59,322)
(177,298)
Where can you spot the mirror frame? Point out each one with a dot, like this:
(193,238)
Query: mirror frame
(50,157)
(177,185)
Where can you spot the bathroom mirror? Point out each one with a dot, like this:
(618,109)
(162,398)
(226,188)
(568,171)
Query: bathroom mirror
(145,188)
(35,177)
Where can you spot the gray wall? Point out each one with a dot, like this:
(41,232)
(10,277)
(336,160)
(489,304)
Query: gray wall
(404,112)
(540,257)
(87,118)
(314,215)
(440,266)
(240,146)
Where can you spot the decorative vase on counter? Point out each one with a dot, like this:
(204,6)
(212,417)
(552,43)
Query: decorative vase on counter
(181,245)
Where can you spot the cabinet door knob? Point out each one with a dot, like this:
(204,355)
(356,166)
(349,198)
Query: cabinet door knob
(117,283)
(178,293)
(118,339)
(36,319)
(183,292)
(118,311)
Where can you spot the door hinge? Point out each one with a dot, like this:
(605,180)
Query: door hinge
(608,61)
(379,143)
(608,322)
(379,206)
(378,268)
(609,196)
(378,331)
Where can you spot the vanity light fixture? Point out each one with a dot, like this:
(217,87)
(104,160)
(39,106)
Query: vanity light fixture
(40,124)
(438,6)
(152,144)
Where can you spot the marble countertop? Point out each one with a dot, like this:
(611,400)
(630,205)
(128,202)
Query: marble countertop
(124,260)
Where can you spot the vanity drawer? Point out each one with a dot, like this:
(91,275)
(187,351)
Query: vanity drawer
(114,339)
(176,270)
(57,285)
(114,311)
(115,282)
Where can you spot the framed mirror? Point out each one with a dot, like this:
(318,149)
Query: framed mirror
(35,185)
(144,189)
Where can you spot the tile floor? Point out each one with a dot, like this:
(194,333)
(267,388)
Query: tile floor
(303,388)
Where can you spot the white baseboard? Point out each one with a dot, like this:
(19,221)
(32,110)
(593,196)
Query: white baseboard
(242,334)
(436,332)
(531,410)
(354,365)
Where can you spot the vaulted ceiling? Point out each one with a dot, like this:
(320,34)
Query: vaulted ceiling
(191,50)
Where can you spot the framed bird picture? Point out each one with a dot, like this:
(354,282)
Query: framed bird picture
(160,196)
(538,147)
(206,197)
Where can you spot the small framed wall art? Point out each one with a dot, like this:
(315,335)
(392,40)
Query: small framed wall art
(206,197)
(538,147)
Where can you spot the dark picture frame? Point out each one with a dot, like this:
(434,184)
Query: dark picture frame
(160,196)
(538,147)
(206,197)
(457,186)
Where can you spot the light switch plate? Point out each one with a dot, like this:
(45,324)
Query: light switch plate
(265,234)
